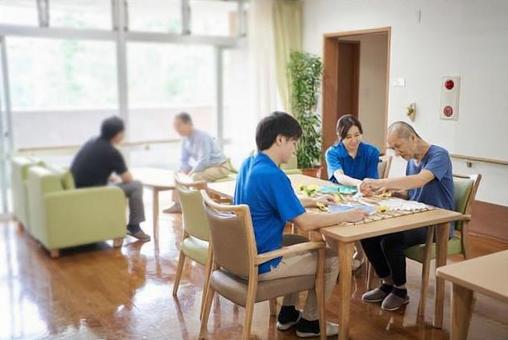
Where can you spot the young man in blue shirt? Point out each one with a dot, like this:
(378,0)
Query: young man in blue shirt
(428,180)
(268,192)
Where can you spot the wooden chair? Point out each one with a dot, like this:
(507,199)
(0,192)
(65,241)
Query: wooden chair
(383,167)
(195,239)
(235,264)
(465,188)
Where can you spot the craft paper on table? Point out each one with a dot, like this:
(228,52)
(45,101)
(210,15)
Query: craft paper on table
(402,205)
(341,189)
(349,206)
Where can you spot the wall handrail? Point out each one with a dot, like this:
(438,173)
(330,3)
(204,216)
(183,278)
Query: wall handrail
(479,159)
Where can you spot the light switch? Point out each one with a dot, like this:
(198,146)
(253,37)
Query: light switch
(399,82)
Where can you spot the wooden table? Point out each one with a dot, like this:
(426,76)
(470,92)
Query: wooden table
(157,180)
(346,236)
(486,275)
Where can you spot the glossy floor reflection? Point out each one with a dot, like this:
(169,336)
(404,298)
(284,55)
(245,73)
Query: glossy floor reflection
(97,292)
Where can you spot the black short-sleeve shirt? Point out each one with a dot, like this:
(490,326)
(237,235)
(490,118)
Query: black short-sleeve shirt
(95,162)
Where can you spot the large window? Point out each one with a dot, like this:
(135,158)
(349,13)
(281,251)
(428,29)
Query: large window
(94,14)
(60,89)
(166,79)
(155,15)
(18,12)
(214,17)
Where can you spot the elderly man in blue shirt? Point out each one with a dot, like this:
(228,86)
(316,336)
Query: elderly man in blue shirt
(428,180)
(201,158)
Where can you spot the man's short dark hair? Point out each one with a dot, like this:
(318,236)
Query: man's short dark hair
(277,123)
(184,117)
(111,127)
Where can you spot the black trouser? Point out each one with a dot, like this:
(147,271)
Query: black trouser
(386,253)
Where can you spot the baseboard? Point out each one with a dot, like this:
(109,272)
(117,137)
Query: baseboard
(489,220)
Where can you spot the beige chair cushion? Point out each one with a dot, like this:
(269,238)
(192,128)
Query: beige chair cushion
(234,288)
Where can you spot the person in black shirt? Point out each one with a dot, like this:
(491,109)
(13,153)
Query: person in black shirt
(99,163)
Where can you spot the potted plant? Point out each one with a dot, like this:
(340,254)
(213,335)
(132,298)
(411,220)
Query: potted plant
(305,71)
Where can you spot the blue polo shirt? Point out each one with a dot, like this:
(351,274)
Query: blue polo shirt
(364,165)
(439,191)
(272,202)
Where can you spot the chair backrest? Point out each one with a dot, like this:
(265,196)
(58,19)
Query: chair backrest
(195,222)
(383,167)
(465,188)
(231,237)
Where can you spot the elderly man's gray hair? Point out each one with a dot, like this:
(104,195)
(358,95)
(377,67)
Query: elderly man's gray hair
(402,130)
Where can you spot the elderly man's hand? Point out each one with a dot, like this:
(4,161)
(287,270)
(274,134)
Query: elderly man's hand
(369,186)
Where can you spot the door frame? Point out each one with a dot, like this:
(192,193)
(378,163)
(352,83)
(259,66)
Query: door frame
(330,81)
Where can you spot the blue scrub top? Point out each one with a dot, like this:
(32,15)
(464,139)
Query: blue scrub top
(364,165)
(266,189)
(440,191)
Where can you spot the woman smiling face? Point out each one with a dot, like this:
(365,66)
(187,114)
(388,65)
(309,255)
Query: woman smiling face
(352,139)
(349,131)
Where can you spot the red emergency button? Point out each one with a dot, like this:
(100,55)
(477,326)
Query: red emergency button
(449,84)
(448,111)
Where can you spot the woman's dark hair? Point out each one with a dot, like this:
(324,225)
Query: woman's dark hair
(345,123)
(277,123)
(184,117)
(111,127)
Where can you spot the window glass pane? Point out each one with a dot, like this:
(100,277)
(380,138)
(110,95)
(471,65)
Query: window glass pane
(61,88)
(165,79)
(155,15)
(18,12)
(80,14)
(213,17)
(237,110)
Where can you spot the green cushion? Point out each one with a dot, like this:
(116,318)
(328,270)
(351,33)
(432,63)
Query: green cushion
(416,252)
(196,249)
(462,188)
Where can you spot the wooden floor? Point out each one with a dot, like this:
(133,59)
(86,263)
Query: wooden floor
(97,292)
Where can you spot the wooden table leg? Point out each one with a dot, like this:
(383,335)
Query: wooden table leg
(442,234)
(155,212)
(462,308)
(345,276)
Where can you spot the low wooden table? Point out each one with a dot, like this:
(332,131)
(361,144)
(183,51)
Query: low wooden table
(157,180)
(486,275)
(347,235)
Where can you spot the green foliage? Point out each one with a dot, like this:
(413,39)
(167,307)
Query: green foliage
(305,72)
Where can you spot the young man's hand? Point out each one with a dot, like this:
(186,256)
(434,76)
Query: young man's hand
(355,215)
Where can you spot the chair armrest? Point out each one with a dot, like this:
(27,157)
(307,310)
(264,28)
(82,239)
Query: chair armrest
(466,218)
(292,249)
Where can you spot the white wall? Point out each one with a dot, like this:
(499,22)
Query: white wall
(431,39)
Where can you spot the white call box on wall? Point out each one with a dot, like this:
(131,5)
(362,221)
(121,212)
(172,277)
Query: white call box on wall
(450,96)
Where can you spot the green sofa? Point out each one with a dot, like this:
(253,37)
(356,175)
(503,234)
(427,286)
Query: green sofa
(19,174)
(62,216)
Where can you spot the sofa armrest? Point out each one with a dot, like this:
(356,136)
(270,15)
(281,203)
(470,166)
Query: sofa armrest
(75,217)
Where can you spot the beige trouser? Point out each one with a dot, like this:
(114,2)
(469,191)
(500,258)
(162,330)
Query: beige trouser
(305,263)
(213,173)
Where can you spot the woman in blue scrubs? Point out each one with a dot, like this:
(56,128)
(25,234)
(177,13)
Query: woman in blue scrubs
(350,161)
